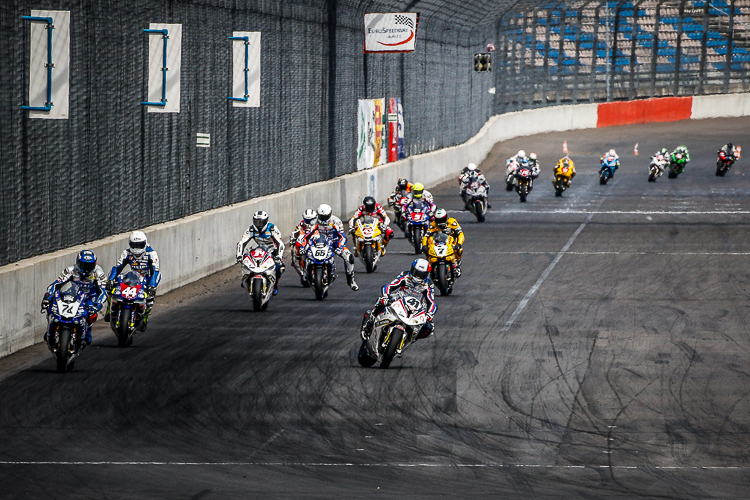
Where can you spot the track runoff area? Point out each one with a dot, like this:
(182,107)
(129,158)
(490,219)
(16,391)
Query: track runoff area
(596,346)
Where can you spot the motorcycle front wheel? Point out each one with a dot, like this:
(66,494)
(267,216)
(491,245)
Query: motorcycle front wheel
(416,234)
(479,210)
(318,283)
(397,334)
(62,351)
(441,278)
(368,255)
(257,294)
(123,330)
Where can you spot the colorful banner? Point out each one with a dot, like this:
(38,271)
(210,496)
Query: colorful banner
(401,147)
(391,32)
(380,154)
(392,130)
(366,134)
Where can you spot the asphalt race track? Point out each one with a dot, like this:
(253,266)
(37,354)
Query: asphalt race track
(597,346)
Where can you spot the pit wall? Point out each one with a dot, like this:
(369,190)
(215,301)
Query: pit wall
(199,245)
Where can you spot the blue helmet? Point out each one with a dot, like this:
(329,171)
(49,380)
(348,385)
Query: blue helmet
(86,262)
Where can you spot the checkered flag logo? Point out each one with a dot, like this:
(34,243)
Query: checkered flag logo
(405,20)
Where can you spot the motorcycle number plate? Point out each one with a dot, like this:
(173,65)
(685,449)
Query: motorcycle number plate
(68,309)
(320,253)
(130,292)
(413,303)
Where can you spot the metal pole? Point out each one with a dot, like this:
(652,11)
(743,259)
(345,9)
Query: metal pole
(48,104)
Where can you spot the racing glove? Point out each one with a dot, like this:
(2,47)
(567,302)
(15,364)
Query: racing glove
(45,304)
(458,247)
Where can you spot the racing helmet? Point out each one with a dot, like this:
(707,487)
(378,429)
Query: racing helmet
(729,146)
(137,243)
(417,190)
(309,216)
(369,204)
(521,153)
(85,263)
(324,213)
(402,184)
(420,271)
(471,167)
(260,219)
(612,152)
(532,156)
(441,218)
(664,151)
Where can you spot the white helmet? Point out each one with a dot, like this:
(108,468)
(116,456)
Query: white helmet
(420,270)
(324,213)
(137,243)
(310,216)
(612,152)
(471,167)
(260,219)
(532,156)
(521,154)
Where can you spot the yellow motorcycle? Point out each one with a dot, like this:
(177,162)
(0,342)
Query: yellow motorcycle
(442,256)
(369,242)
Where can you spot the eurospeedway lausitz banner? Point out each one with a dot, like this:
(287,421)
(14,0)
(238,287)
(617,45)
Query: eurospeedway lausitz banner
(396,32)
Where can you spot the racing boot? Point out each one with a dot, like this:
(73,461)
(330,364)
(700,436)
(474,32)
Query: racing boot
(144,323)
(367,325)
(350,281)
(457,268)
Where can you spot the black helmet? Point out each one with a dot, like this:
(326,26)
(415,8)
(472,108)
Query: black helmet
(369,204)
(402,183)
(729,146)
(85,262)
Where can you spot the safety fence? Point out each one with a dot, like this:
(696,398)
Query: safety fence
(585,52)
(114,165)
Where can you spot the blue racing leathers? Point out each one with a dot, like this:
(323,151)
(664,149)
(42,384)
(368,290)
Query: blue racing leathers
(92,285)
(146,264)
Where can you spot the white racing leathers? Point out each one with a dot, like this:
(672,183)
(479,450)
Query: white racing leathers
(334,230)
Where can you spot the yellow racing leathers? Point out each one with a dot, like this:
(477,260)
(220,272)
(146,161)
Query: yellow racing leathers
(565,168)
(453,229)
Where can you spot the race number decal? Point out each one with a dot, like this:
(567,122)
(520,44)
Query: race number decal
(130,292)
(68,309)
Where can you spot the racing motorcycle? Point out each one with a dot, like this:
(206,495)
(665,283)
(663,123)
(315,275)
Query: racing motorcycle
(320,270)
(442,256)
(369,241)
(677,164)
(723,163)
(128,306)
(298,259)
(398,201)
(562,179)
(656,168)
(395,329)
(259,275)
(475,198)
(524,182)
(606,170)
(417,221)
(66,325)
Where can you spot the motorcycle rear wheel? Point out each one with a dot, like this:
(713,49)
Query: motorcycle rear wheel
(368,255)
(364,357)
(390,350)
(124,329)
(62,351)
(318,283)
(257,295)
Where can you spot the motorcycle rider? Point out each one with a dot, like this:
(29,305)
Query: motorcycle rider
(472,175)
(660,160)
(90,278)
(331,227)
(376,211)
(267,234)
(685,156)
(309,219)
(448,225)
(417,195)
(610,156)
(730,152)
(416,280)
(403,190)
(142,259)
(563,162)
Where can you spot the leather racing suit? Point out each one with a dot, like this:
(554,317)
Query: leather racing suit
(379,214)
(147,265)
(405,281)
(269,237)
(452,229)
(302,229)
(333,229)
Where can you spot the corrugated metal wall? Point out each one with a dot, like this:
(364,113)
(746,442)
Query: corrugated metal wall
(113,167)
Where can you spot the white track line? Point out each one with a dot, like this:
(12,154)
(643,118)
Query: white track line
(395,465)
(614,212)
(522,305)
(615,253)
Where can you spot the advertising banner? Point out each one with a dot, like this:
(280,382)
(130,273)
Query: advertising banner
(380,151)
(401,148)
(392,130)
(366,134)
(391,32)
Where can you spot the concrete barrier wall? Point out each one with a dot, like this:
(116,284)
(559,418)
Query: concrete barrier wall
(196,246)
